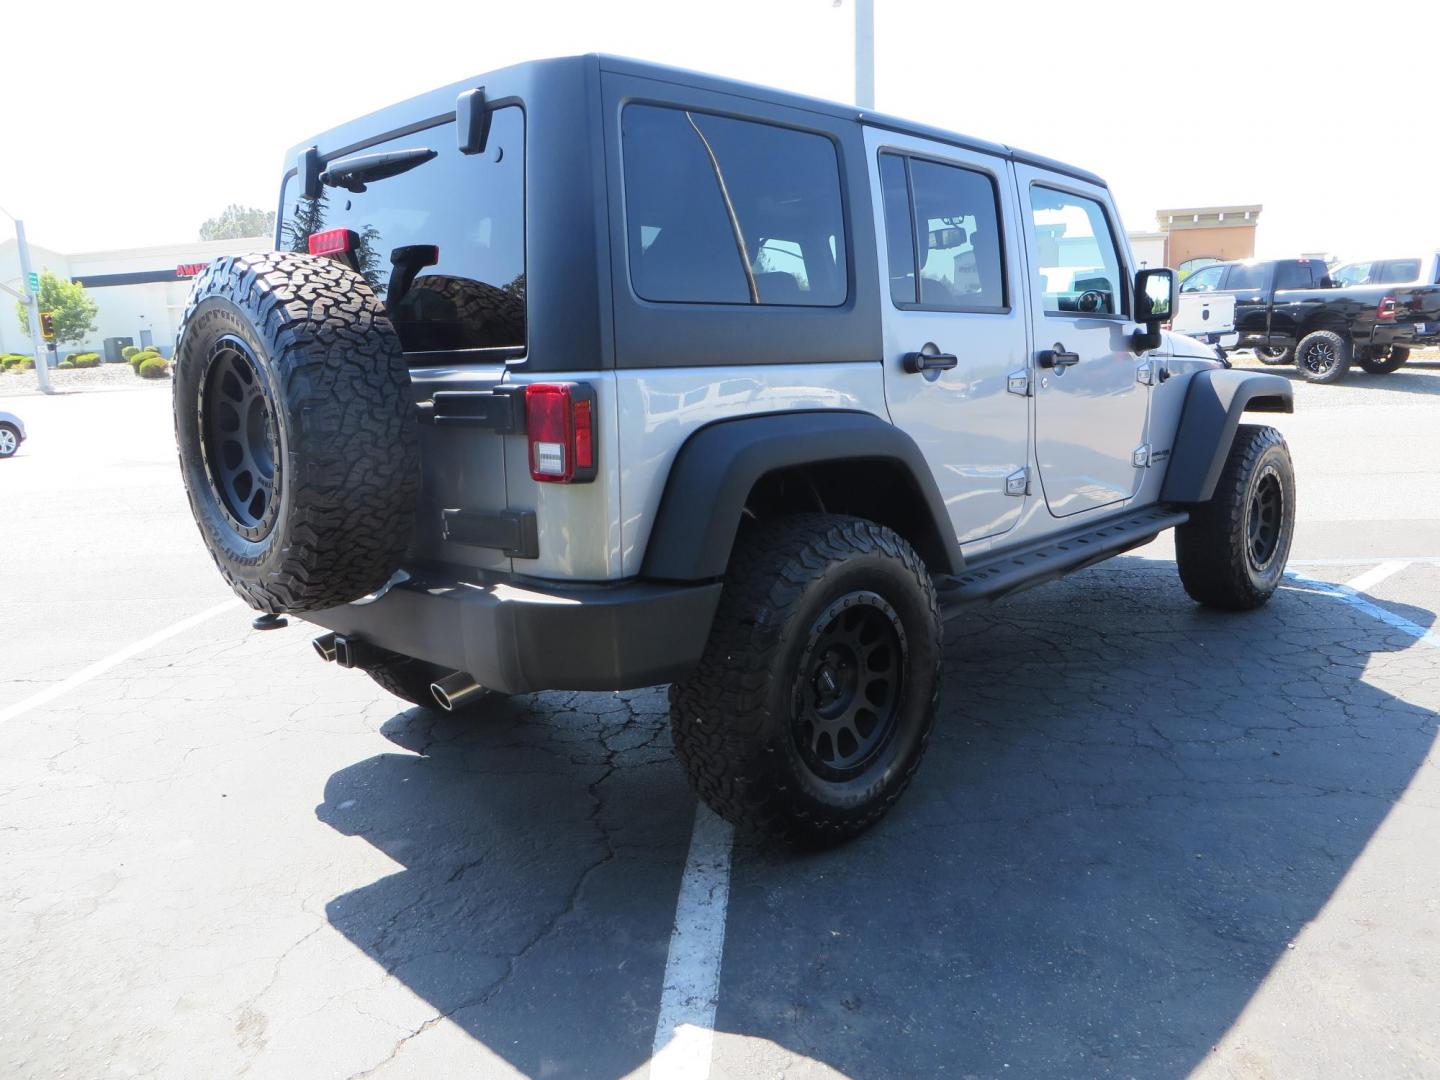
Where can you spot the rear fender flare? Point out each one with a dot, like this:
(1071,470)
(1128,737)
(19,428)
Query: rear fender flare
(718,466)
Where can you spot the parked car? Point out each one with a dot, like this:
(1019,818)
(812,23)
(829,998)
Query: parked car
(12,434)
(591,374)
(1298,309)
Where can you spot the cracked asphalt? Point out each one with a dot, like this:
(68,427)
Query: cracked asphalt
(1147,840)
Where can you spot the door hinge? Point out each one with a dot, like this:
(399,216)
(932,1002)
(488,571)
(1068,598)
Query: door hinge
(1018,382)
(1141,457)
(1018,482)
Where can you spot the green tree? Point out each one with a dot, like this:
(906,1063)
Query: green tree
(237,221)
(74,312)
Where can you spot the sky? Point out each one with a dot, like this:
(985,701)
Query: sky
(140,120)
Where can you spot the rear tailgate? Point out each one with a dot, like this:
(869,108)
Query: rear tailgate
(1205,313)
(443,246)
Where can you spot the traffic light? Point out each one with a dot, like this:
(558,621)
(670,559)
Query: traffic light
(47,325)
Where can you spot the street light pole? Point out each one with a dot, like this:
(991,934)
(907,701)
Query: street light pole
(42,366)
(32,303)
(865,53)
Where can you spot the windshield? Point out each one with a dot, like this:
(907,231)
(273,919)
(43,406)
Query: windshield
(442,243)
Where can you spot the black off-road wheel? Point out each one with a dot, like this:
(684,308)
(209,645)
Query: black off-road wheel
(296,428)
(1274,356)
(1232,552)
(410,680)
(1394,360)
(1323,356)
(813,702)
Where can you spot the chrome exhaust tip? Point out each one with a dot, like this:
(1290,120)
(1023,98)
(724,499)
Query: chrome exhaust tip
(325,647)
(455,691)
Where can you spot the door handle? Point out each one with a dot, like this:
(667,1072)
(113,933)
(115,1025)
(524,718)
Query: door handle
(1057,357)
(930,358)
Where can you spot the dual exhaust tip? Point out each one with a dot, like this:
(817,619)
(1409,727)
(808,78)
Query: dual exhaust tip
(454,691)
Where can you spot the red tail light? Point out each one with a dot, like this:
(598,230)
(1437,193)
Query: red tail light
(560,424)
(331,242)
(1387,308)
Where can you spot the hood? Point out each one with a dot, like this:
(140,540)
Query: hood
(1184,346)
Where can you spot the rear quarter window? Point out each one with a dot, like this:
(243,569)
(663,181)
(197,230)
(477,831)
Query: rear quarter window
(726,211)
(466,212)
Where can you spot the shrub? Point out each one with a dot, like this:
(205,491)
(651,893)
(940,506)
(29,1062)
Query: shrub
(128,351)
(154,367)
(10,359)
(65,365)
(82,360)
(140,358)
(25,363)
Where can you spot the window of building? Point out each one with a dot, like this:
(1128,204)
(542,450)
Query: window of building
(726,211)
(1077,258)
(950,214)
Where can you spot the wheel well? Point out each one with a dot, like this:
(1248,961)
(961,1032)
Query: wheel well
(878,490)
(1323,321)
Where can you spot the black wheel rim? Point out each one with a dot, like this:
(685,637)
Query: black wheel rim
(1264,520)
(240,438)
(1320,357)
(1270,353)
(850,686)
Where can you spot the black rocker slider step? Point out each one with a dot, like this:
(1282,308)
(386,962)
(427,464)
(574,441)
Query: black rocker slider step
(994,576)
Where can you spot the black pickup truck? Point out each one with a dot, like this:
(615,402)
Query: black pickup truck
(1296,309)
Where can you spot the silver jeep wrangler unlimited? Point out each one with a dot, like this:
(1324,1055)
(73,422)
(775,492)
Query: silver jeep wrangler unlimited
(591,374)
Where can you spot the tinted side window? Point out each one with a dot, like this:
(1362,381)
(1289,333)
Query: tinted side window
(1207,280)
(1078,261)
(1244,278)
(725,211)
(1400,272)
(443,244)
(899,228)
(1352,274)
(1294,276)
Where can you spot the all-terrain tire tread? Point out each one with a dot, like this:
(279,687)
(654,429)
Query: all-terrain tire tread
(720,712)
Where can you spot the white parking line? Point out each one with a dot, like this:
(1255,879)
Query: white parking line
(1352,596)
(1371,578)
(684,1032)
(85,674)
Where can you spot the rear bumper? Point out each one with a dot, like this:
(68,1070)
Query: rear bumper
(517,638)
(1409,333)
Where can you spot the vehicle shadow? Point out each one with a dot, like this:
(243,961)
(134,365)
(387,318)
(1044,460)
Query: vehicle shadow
(1129,809)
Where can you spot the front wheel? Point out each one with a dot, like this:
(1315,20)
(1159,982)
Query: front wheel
(9,441)
(1232,552)
(1323,356)
(812,704)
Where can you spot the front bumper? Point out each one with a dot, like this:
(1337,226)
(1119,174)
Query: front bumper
(519,637)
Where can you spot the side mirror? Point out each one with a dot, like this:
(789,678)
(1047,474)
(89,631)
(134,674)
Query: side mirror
(1154,304)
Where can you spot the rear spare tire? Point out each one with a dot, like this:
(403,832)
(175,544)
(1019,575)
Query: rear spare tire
(296,430)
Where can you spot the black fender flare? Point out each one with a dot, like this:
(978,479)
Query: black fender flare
(718,465)
(1208,419)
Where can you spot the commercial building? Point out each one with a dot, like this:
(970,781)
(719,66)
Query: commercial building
(140,292)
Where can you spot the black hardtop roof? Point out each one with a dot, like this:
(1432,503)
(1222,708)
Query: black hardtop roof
(438,105)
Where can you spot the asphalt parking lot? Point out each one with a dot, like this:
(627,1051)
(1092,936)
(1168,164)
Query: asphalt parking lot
(1147,840)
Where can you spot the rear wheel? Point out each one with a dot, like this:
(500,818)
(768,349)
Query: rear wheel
(814,699)
(9,441)
(1232,552)
(1323,356)
(1273,354)
(1383,365)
